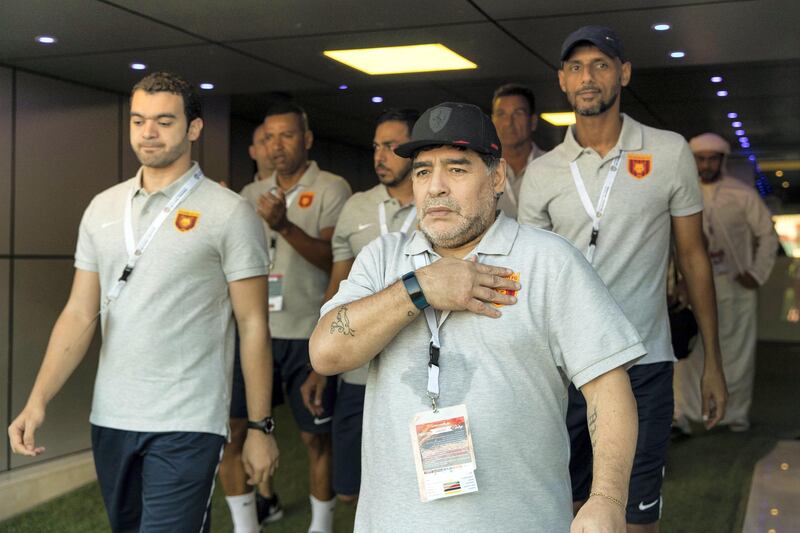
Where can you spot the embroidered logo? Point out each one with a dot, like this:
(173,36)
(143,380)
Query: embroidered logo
(305,200)
(439,118)
(640,165)
(186,220)
(508,292)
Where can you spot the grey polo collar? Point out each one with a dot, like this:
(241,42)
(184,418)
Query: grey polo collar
(630,139)
(170,189)
(498,240)
(306,181)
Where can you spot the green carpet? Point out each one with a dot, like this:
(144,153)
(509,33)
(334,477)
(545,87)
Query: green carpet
(706,486)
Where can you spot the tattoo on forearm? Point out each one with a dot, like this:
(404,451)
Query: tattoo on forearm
(592,420)
(342,323)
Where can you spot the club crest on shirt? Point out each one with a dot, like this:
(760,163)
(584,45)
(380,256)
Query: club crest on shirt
(509,292)
(305,200)
(640,165)
(186,220)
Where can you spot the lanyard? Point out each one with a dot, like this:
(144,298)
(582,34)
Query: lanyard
(406,223)
(134,250)
(597,214)
(272,241)
(420,261)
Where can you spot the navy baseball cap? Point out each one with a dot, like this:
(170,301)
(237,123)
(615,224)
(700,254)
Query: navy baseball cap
(453,124)
(602,37)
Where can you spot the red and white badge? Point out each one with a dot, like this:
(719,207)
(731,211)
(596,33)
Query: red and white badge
(443,453)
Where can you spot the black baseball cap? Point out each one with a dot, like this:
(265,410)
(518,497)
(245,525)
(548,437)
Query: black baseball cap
(453,124)
(602,37)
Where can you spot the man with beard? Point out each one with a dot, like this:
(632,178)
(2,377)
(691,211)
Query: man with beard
(741,244)
(514,117)
(300,205)
(163,259)
(645,182)
(466,405)
(387,207)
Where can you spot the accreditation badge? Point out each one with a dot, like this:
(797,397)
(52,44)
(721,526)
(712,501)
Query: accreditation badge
(275,292)
(443,453)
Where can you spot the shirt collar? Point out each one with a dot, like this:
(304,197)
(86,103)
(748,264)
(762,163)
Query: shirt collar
(306,181)
(630,139)
(497,241)
(170,189)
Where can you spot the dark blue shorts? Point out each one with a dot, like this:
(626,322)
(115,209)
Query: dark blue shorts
(347,418)
(652,387)
(293,365)
(238,397)
(156,482)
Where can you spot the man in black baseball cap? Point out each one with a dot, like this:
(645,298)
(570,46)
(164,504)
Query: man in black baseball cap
(510,311)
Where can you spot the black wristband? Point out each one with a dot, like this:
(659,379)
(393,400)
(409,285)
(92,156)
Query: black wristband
(415,291)
(267,425)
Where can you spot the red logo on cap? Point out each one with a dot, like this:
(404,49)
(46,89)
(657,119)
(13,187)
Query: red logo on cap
(460,142)
(493,146)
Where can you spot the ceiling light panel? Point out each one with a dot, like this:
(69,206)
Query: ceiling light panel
(401,59)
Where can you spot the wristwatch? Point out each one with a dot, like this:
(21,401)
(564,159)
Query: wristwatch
(266,425)
(415,291)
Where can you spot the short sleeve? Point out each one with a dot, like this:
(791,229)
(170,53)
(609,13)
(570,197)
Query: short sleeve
(588,333)
(340,244)
(85,251)
(243,246)
(532,208)
(686,198)
(333,201)
(365,277)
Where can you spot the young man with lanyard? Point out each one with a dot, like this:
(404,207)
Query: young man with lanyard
(645,183)
(387,207)
(247,511)
(473,327)
(741,244)
(300,205)
(514,117)
(166,260)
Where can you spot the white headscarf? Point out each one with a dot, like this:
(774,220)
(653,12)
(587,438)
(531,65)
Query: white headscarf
(710,142)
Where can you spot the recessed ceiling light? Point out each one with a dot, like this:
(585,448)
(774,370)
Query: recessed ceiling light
(716,79)
(46,39)
(401,59)
(377,99)
(736,124)
(661,26)
(744,140)
(733,115)
(739,133)
(138,66)
(206,86)
(745,145)
(785,184)
(722,93)
(343,87)
(677,54)
(751,157)
(559,119)
(779,173)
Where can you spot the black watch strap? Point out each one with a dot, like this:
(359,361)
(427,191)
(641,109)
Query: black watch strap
(415,291)
(267,425)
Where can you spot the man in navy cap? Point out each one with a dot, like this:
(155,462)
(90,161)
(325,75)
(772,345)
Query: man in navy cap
(472,327)
(619,191)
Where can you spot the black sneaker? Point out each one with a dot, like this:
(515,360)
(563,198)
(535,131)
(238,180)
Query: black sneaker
(268,509)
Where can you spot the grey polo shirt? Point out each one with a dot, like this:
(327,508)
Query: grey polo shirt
(509,201)
(316,205)
(512,373)
(167,353)
(359,224)
(657,180)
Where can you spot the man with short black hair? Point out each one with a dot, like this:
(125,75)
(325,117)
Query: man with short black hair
(300,205)
(166,259)
(385,208)
(467,403)
(615,188)
(514,117)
